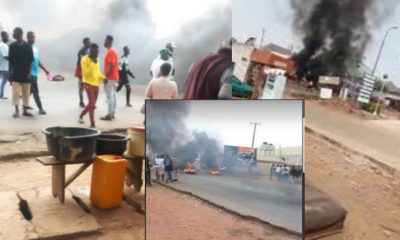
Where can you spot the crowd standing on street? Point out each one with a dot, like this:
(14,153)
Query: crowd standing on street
(164,168)
(208,78)
(284,173)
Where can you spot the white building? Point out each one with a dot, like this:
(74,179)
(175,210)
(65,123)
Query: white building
(241,59)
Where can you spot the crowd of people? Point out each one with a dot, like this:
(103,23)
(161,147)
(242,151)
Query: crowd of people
(165,169)
(19,65)
(283,173)
(208,78)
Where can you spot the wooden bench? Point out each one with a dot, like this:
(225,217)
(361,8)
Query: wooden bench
(58,181)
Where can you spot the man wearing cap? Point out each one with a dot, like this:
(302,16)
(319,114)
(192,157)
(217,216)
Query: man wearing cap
(164,57)
(170,47)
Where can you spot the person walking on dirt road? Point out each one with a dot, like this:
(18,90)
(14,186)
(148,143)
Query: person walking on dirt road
(91,75)
(124,72)
(35,72)
(78,70)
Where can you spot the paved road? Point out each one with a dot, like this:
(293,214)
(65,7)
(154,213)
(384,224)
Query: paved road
(276,203)
(379,139)
(60,100)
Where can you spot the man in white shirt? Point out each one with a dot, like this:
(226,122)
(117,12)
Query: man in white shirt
(124,72)
(156,64)
(278,172)
(162,87)
(3,62)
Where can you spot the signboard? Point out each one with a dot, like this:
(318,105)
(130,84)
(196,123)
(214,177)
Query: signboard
(280,64)
(366,89)
(326,93)
(274,87)
(329,80)
(235,155)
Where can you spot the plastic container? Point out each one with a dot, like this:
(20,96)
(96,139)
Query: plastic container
(108,177)
(136,146)
(71,144)
(49,77)
(111,144)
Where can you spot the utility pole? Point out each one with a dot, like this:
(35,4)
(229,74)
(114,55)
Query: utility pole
(262,37)
(254,132)
(381,47)
(375,66)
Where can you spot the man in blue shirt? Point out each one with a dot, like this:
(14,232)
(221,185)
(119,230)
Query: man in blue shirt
(3,62)
(35,72)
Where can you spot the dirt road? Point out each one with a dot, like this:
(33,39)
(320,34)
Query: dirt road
(376,138)
(369,193)
(172,215)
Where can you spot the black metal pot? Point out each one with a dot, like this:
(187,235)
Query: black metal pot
(71,143)
(111,144)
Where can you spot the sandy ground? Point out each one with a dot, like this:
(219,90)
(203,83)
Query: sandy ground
(172,215)
(369,193)
(24,173)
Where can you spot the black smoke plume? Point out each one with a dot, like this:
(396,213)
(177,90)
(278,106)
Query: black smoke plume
(335,34)
(203,147)
(167,133)
(166,125)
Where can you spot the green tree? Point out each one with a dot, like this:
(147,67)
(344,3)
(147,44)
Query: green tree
(378,86)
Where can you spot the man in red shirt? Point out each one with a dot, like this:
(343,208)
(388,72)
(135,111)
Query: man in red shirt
(111,73)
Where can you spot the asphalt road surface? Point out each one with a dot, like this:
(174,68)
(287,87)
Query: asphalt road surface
(279,204)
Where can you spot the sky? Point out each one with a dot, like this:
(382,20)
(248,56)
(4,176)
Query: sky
(145,26)
(168,16)
(250,16)
(281,121)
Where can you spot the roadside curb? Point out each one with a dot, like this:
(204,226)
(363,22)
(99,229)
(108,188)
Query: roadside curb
(247,217)
(352,150)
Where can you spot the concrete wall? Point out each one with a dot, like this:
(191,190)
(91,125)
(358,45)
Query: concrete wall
(241,58)
(293,155)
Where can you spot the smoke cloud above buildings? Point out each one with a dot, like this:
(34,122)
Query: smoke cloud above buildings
(335,33)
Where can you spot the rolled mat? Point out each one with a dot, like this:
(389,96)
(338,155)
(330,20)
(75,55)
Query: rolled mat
(323,215)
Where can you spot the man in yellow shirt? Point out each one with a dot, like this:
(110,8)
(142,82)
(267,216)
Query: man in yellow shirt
(91,75)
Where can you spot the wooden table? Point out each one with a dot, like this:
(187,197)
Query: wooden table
(134,171)
(58,181)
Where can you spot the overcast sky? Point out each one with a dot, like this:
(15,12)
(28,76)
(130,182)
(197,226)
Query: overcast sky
(250,16)
(281,121)
(52,18)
